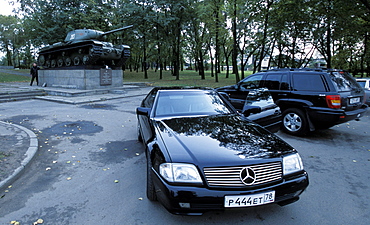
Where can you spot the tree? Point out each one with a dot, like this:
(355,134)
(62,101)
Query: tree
(167,32)
(11,38)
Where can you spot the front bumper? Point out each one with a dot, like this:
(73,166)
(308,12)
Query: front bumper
(190,200)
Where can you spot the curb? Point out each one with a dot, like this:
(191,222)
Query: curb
(30,153)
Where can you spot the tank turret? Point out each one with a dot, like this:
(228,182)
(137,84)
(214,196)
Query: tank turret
(85,48)
(88,34)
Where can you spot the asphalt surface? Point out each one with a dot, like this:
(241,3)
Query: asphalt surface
(19,145)
(90,169)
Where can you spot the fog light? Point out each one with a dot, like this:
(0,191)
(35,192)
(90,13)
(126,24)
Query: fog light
(184,205)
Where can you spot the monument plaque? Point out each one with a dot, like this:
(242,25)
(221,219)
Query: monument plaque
(105,77)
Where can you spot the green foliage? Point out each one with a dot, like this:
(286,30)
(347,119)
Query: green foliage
(172,32)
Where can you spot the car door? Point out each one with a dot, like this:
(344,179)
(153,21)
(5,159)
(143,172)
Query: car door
(238,96)
(144,113)
(270,115)
(278,85)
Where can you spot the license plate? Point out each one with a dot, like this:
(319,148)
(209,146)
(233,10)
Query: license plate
(354,100)
(249,200)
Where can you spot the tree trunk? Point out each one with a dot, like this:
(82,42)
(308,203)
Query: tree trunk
(144,59)
(235,46)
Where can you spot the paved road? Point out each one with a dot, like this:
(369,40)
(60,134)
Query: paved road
(91,170)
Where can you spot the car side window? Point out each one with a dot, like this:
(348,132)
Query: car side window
(251,82)
(272,81)
(284,85)
(308,82)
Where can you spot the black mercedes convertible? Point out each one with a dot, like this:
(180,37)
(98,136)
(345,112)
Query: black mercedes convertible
(203,155)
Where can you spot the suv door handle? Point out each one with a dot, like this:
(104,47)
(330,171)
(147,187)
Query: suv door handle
(283,94)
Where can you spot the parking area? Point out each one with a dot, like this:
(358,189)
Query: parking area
(91,170)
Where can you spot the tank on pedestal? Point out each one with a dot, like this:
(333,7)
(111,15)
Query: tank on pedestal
(85,49)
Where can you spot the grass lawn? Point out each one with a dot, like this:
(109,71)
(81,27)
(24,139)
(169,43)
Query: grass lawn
(187,78)
(9,77)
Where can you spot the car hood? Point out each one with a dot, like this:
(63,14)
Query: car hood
(221,139)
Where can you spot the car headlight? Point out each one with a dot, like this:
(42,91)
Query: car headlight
(180,172)
(292,164)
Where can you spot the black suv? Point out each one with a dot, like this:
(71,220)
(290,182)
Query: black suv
(309,98)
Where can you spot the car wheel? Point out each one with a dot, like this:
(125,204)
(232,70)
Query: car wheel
(150,190)
(295,122)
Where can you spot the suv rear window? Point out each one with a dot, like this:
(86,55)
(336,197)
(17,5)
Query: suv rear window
(308,82)
(343,81)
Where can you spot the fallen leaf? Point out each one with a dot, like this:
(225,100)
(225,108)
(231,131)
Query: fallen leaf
(68,162)
(48,168)
(116,181)
(40,221)
(69,178)
(54,161)
(140,199)
(137,153)
(354,160)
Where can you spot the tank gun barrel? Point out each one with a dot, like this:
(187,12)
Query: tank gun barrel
(116,30)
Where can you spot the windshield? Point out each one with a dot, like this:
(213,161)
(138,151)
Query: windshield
(344,81)
(189,102)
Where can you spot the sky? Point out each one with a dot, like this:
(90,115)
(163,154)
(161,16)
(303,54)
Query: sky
(5,8)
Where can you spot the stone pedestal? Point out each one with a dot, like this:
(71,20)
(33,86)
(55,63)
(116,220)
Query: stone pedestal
(81,79)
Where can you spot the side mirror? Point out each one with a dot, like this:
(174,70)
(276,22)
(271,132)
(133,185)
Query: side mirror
(248,110)
(143,111)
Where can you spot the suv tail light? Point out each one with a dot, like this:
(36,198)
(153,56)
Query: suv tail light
(333,101)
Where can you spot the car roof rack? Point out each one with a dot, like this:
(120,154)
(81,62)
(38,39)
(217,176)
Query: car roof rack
(295,69)
(305,69)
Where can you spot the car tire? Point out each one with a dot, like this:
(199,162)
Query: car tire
(295,122)
(150,190)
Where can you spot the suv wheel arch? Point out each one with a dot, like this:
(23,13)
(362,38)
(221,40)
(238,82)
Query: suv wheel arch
(295,122)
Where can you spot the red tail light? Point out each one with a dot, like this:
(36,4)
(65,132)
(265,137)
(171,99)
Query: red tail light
(333,101)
